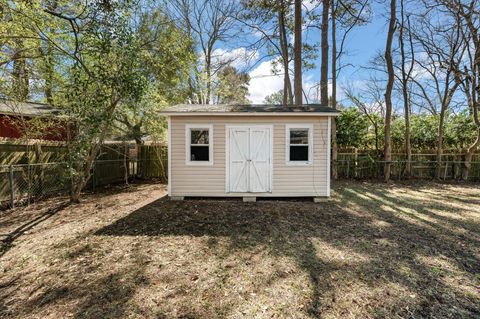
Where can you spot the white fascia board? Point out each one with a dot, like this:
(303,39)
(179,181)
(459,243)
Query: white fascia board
(249,114)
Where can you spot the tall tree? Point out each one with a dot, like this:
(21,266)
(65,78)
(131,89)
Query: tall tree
(468,18)
(167,62)
(100,59)
(273,22)
(406,73)
(324,64)
(209,22)
(350,14)
(388,91)
(439,38)
(370,104)
(232,86)
(298,54)
(334,91)
(20,81)
(287,85)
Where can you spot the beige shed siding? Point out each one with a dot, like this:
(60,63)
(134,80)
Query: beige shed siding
(188,180)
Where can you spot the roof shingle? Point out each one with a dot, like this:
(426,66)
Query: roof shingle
(27,109)
(252,108)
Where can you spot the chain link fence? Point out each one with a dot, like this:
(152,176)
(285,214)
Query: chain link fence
(22,184)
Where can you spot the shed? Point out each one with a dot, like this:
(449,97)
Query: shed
(249,151)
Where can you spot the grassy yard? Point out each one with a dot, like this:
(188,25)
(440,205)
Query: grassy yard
(374,251)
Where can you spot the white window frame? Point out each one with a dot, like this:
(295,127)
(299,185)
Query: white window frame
(288,128)
(188,139)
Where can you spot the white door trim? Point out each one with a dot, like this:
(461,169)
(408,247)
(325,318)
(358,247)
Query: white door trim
(169,150)
(329,149)
(227,151)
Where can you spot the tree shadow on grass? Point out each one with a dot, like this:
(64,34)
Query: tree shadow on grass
(8,239)
(105,296)
(304,231)
(435,233)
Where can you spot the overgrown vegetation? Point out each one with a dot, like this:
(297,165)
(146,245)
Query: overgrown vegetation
(111,65)
(365,131)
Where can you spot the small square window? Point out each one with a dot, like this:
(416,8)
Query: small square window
(199,144)
(298,146)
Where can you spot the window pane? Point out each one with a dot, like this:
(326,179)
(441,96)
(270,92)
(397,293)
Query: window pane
(199,136)
(199,153)
(299,136)
(299,153)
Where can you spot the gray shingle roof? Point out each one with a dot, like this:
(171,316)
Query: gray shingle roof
(252,108)
(27,109)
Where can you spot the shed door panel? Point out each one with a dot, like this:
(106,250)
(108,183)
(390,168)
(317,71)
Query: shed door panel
(260,160)
(239,146)
(250,162)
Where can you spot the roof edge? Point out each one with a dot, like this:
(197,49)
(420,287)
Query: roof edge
(169,113)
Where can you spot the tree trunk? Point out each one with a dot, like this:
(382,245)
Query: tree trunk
(471,84)
(297,50)
(441,133)
(20,73)
(334,92)
(388,92)
(324,64)
(86,172)
(49,73)
(406,104)
(49,64)
(469,155)
(287,85)
(209,80)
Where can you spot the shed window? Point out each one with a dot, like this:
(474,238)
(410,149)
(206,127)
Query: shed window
(199,148)
(199,145)
(299,144)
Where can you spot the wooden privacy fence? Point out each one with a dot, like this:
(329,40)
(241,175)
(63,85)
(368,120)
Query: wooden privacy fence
(18,152)
(369,165)
(152,162)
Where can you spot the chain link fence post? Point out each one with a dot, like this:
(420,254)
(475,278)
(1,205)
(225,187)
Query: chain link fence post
(11,184)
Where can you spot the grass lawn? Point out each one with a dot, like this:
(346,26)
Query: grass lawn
(374,251)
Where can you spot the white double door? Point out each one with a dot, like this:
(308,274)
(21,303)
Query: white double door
(249,162)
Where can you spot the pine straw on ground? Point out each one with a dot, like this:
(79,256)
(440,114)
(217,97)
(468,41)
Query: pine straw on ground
(374,251)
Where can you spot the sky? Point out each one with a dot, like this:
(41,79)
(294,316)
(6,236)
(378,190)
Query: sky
(362,45)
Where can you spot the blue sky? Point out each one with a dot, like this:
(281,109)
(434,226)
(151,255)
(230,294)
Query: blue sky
(362,45)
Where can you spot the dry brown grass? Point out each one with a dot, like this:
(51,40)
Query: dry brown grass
(375,251)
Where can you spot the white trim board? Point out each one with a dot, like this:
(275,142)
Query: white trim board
(329,149)
(188,128)
(249,114)
(290,126)
(169,150)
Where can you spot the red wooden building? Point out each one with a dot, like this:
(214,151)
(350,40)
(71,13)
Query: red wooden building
(33,121)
